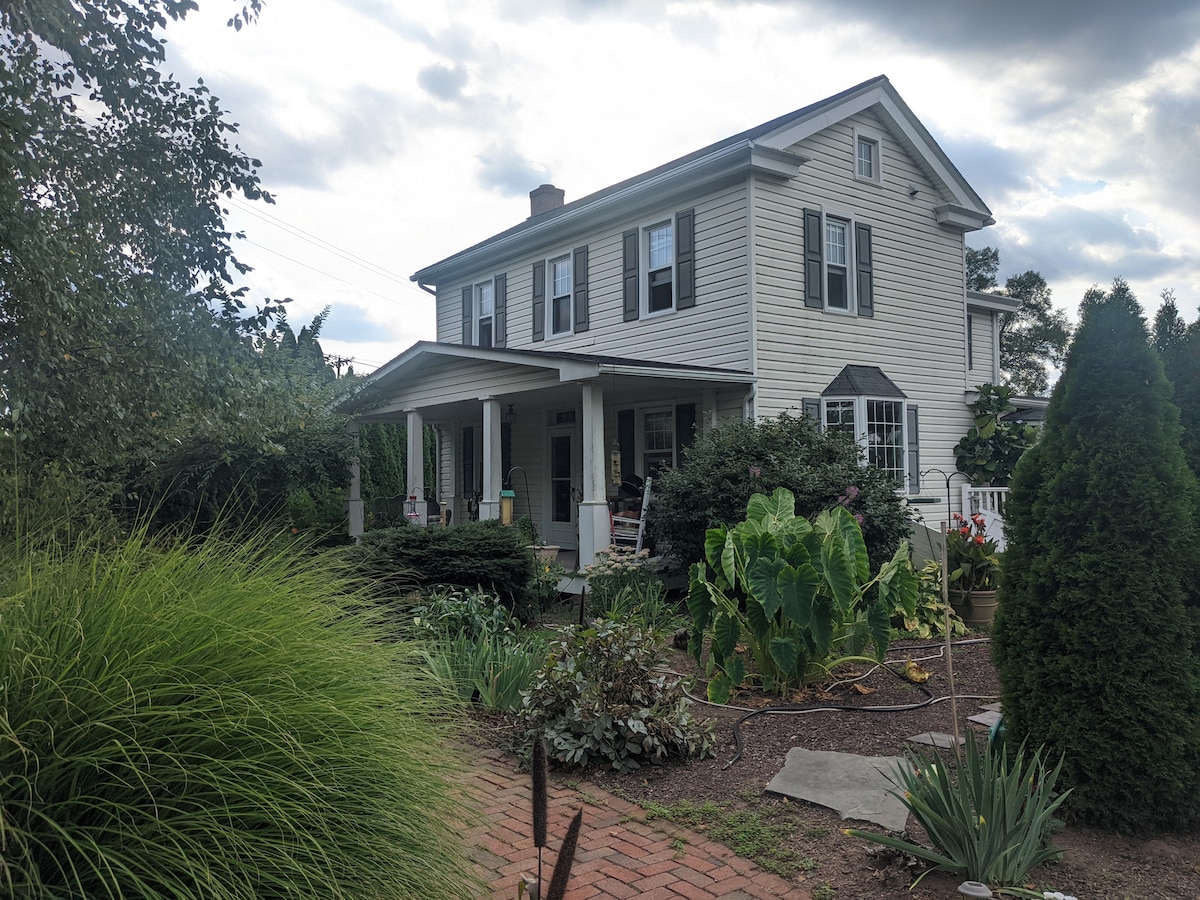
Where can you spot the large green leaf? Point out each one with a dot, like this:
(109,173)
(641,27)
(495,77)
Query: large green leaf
(714,547)
(797,587)
(772,511)
(785,654)
(820,627)
(726,632)
(879,624)
(765,578)
(838,568)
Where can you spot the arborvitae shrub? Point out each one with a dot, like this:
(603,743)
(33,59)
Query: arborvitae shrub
(1093,641)
(728,464)
(473,554)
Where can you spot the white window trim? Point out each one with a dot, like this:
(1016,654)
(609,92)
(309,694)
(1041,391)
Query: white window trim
(860,428)
(644,263)
(639,428)
(549,332)
(868,134)
(477,315)
(851,308)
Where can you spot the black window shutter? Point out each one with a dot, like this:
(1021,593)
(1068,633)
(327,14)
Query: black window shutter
(912,437)
(468,305)
(579,269)
(499,313)
(970,342)
(685,258)
(468,460)
(866,286)
(626,443)
(539,301)
(629,242)
(811,407)
(814,294)
(685,429)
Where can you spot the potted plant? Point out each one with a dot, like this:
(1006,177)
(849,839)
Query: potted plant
(974,567)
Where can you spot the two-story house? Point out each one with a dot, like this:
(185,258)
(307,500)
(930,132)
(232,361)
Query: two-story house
(813,264)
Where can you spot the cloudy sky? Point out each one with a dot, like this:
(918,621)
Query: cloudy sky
(394,133)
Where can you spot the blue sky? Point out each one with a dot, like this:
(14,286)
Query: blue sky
(395,133)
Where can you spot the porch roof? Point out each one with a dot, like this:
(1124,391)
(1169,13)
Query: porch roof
(430,374)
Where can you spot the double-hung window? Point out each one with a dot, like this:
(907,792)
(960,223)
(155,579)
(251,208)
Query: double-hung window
(867,161)
(560,295)
(838,264)
(485,308)
(660,274)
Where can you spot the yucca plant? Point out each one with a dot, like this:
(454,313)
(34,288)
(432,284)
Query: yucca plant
(214,721)
(990,824)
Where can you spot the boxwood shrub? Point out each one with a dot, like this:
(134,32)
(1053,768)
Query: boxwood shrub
(474,554)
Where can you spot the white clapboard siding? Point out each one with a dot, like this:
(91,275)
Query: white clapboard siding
(982,348)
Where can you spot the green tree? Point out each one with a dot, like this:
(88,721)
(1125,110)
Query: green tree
(1094,641)
(1179,346)
(1034,336)
(119,323)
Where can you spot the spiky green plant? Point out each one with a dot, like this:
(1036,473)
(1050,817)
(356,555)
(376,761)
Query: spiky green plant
(214,721)
(990,823)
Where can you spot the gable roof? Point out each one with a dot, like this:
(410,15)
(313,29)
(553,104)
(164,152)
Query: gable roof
(762,149)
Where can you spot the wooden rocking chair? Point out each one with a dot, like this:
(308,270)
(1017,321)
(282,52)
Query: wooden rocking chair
(631,532)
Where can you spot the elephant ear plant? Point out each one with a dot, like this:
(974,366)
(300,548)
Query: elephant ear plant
(798,595)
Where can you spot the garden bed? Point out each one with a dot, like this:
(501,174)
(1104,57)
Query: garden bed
(804,843)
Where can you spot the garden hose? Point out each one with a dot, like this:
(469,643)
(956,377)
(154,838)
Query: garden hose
(798,709)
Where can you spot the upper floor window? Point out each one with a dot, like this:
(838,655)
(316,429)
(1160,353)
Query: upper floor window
(660,243)
(560,295)
(837,261)
(658,266)
(485,308)
(838,264)
(867,162)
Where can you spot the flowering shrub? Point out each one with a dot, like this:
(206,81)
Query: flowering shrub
(971,555)
(618,569)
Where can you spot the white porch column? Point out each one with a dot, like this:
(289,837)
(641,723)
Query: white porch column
(416,463)
(489,505)
(594,524)
(354,506)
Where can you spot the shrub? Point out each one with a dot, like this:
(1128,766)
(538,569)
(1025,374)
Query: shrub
(623,586)
(928,618)
(473,554)
(990,824)
(599,697)
(218,720)
(792,594)
(989,451)
(1102,551)
(727,464)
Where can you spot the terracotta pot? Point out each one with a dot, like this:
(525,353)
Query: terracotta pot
(976,607)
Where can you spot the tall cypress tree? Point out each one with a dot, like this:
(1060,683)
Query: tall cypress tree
(1094,639)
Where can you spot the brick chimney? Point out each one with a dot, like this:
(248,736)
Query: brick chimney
(544,198)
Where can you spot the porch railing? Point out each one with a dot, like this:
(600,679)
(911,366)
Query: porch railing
(989,503)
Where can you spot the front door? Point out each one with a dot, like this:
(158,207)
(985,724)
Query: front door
(565,474)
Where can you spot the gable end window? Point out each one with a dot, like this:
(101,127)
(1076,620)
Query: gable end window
(867,161)
(658,271)
(838,264)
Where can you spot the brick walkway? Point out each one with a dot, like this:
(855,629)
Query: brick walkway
(619,855)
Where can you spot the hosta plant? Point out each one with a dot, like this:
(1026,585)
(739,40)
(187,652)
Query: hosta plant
(797,595)
(991,823)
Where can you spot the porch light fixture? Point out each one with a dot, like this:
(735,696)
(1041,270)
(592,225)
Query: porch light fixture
(510,415)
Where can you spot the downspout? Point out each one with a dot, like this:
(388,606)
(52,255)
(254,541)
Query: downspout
(426,288)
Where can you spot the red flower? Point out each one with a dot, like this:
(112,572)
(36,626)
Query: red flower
(979,538)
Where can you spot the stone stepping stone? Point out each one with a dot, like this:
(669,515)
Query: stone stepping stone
(938,739)
(991,707)
(855,786)
(987,719)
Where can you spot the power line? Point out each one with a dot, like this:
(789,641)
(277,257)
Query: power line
(322,272)
(311,238)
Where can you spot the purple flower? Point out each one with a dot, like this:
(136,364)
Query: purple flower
(859,519)
(852,492)
(755,471)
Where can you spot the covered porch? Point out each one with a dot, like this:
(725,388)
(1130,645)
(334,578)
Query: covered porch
(572,435)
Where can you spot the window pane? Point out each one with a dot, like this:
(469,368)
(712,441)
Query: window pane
(661,295)
(662,252)
(866,158)
(561,278)
(839,416)
(837,296)
(885,436)
(484,292)
(835,243)
(561,317)
(485,332)
(660,430)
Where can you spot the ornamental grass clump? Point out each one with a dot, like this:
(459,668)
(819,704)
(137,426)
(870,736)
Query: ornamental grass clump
(214,721)
(991,823)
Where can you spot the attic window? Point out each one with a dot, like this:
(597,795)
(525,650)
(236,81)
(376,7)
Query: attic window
(867,163)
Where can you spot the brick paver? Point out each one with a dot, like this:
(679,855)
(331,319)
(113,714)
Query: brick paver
(620,855)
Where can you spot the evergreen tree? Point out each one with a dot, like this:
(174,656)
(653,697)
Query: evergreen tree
(1094,641)
(1179,346)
